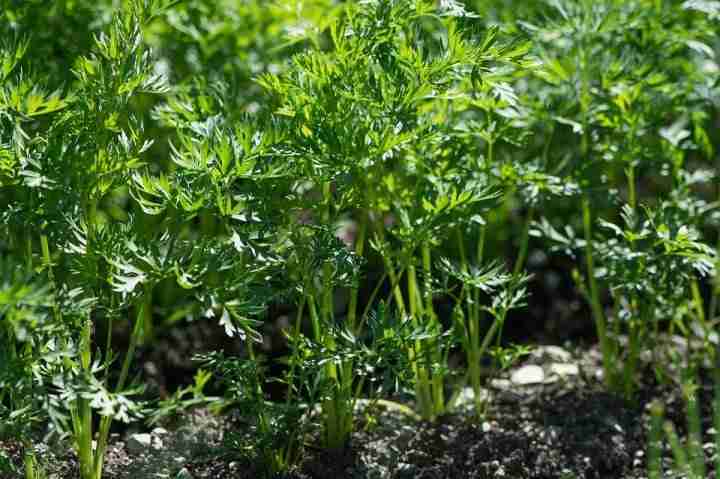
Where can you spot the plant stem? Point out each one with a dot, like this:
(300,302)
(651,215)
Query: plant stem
(472,344)
(654,463)
(354,290)
(390,269)
(524,241)
(106,421)
(29,254)
(47,263)
(84,429)
(438,383)
(327,293)
(632,195)
(597,311)
(416,353)
(714,303)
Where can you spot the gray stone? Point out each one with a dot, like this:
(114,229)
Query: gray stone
(466,398)
(529,374)
(555,352)
(139,443)
(564,369)
(159,431)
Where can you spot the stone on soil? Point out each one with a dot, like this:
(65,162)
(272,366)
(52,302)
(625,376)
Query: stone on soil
(564,369)
(529,374)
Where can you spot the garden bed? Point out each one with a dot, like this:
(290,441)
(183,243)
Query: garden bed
(554,422)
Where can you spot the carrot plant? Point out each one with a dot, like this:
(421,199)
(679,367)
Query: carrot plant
(383,171)
(637,108)
(689,457)
(27,347)
(71,150)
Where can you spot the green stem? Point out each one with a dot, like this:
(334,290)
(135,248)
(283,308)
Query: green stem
(106,421)
(148,328)
(416,353)
(390,270)
(472,343)
(47,263)
(633,355)
(438,380)
(296,335)
(655,442)
(632,195)
(697,302)
(479,252)
(359,250)
(598,315)
(524,241)
(29,254)
(713,307)
(327,293)
(84,429)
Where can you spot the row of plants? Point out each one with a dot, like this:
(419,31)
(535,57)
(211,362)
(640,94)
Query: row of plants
(385,167)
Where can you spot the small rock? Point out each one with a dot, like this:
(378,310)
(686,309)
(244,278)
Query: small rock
(159,431)
(466,398)
(530,374)
(555,352)
(500,383)
(139,443)
(564,369)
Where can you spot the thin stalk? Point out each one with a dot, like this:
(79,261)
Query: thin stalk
(29,254)
(714,302)
(476,312)
(697,302)
(106,421)
(695,443)
(314,317)
(354,290)
(83,425)
(148,329)
(30,463)
(474,326)
(438,383)
(270,458)
(524,241)
(598,315)
(376,290)
(654,463)
(427,284)
(472,331)
(83,421)
(632,195)
(681,460)
(327,303)
(338,417)
(47,263)
(290,447)
(329,407)
(390,270)
(633,355)
(634,352)
(296,334)
(422,381)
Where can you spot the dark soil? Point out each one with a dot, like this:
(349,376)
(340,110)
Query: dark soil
(563,427)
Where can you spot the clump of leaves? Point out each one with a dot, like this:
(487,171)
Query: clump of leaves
(630,83)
